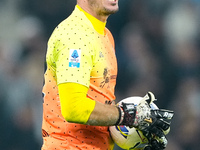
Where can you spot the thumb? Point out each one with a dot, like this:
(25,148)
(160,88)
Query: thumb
(148,98)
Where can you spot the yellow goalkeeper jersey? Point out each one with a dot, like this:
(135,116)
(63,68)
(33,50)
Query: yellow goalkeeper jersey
(78,53)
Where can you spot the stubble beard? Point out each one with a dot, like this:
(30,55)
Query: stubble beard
(102,11)
(107,12)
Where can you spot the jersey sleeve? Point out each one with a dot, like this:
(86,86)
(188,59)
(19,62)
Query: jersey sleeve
(73,60)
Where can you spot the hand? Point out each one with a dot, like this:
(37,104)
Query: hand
(142,117)
(134,115)
(160,126)
(155,145)
(159,123)
(154,124)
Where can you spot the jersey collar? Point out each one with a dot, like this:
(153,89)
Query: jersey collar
(98,25)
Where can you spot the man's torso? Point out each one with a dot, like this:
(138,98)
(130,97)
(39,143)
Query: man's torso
(73,48)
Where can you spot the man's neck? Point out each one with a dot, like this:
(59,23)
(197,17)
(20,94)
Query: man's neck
(98,25)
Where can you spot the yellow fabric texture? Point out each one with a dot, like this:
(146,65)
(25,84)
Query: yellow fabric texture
(75,106)
(98,25)
(64,40)
(97,70)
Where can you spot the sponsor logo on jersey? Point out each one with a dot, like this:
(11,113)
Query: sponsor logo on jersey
(75,58)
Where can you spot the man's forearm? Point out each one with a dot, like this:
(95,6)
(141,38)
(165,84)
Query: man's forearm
(103,115)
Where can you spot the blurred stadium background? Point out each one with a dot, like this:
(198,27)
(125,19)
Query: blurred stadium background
(157,46)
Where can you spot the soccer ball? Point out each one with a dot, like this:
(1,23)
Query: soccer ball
(129,138)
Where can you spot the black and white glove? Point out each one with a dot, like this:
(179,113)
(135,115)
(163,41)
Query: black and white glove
(155,144)
(150,122)
(160,119)
(158,129)
(134,115)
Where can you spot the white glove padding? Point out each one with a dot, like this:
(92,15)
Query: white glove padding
(143,118)
(143,112)
(154,124)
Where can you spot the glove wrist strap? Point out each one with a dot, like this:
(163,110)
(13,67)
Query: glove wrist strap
(121,116)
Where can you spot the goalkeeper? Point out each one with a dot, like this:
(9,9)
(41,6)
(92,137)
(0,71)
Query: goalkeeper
(79,85)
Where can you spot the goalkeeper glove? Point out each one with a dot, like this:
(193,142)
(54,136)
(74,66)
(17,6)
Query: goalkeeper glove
(143,118)
(134,115)
(160,126)
(155,145)
(160,121)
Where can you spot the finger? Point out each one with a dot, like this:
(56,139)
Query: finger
(155,145)
(156,131)
(162,141)
(148,98)
(148,148)
(166,131)
(150,132)
(159,123)
(164,125)
(163,113)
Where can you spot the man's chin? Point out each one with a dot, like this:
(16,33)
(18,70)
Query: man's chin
(108,11)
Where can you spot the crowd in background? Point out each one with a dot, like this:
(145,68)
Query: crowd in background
(157,47)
